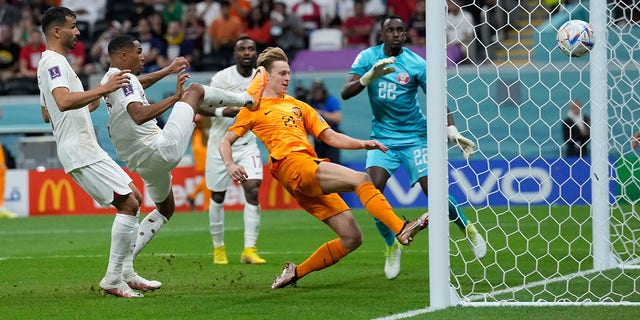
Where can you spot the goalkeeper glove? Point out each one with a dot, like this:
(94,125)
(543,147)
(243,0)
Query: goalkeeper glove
(467,146)
(378,71)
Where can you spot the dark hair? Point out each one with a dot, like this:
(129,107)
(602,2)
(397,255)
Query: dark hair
(120,43)
(54,17)
(389,17)
(242,38)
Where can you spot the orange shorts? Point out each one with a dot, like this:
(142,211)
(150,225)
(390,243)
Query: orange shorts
(297,173)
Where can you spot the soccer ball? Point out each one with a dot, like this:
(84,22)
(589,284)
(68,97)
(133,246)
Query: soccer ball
(575,38)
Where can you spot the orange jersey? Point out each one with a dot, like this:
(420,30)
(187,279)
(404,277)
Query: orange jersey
(282,125)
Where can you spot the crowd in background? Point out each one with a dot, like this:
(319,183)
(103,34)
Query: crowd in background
(204,31)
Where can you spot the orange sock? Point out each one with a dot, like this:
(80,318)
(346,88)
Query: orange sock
(378,206)
(326,255)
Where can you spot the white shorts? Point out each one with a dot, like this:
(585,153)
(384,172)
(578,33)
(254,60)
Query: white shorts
(247,156)
(169,147)
(102,181)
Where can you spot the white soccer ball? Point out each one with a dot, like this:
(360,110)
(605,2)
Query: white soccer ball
(575,38)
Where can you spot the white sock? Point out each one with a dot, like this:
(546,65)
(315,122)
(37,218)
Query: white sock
(215,97)
(251,218)
(127,265)
(149,227)
(122,231)
(216,223)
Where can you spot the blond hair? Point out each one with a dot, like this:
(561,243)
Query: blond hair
(270,55)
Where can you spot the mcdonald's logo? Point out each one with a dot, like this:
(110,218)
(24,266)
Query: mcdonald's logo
(275,189)
(56,189)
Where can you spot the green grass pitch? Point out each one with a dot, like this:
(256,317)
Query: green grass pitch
(50,268)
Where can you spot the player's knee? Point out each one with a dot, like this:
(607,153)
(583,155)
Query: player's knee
(217,197)
(194,94)
(361,177)
(352,241)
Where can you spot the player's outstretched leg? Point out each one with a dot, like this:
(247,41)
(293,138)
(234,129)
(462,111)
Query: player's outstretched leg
(476,241)
(150,225)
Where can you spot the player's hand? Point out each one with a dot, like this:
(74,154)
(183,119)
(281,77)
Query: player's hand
(379,69)
(182,78)
(467,146)
(373,144)
(635,140)
(237,173)
(178,65)
(116,81)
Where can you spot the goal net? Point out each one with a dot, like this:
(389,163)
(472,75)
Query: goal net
(560,229)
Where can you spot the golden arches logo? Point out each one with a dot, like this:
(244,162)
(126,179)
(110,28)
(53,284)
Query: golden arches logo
(56,189)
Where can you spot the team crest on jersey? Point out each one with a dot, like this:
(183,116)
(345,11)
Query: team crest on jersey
(127,90)
(403,78)
(54,72)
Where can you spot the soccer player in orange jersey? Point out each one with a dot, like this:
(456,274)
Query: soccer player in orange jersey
(281,122)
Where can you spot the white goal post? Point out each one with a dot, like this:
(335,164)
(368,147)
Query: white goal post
(560,230)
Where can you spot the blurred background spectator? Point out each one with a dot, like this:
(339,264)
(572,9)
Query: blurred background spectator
(224,31)
(195,30)
(259,28)
(357,28)
(416,27)
(459,32)
(287,30)
(9,54)
(28,22)
(328,106)
(309,12)
(10,13)
(30,54)
(177,45)
(172,10)
(152,45)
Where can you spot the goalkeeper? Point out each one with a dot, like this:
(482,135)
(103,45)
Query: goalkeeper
(392,75)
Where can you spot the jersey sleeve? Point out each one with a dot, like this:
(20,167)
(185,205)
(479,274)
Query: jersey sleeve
(360,64)
(58,75)
(130,93)
(314,123)
(242,123)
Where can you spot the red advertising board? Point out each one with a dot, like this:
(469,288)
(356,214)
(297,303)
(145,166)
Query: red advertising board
(52,192)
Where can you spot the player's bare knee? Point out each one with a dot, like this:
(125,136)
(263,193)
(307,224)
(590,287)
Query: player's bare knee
(127,204)
(361,177)
(193,95)
(352,241)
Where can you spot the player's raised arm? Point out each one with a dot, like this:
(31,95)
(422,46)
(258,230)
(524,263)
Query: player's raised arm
(67,100)
(355,83)
(141,113)
(178,65)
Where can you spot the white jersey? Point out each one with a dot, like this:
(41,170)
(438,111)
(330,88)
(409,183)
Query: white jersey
(75,136)
(134,143)
(231,80)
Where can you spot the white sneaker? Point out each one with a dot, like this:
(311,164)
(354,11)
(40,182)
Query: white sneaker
(139,283)
(392,260)
(476,242)
(120,289)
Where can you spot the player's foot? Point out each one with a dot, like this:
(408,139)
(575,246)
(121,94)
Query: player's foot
(250,256)
(220,255)
(287,277)
(392,261)
(405,236)
(120,289)
(256,87)
(137,282)
(192,203)
(6,214)
(476,242)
